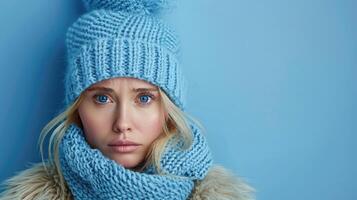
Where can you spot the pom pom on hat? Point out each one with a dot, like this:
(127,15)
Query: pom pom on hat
(130,6)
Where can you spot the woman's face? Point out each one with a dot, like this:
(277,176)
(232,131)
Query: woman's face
(122,117)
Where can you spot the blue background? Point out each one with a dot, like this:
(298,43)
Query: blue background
(273,82)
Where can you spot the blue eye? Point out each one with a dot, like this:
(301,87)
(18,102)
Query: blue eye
(145,98)
(101,99)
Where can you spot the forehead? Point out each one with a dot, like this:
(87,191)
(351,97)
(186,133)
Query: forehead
(117,84)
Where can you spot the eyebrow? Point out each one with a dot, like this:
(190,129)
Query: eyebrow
(110,90)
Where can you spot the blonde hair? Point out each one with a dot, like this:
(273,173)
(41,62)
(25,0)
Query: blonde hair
(176,122)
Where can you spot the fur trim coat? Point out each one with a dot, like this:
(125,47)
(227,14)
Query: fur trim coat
(36,183)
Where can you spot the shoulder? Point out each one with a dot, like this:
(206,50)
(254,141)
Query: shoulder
(37,182)
(220,183)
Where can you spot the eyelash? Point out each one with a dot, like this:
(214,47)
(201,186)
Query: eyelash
(152,98)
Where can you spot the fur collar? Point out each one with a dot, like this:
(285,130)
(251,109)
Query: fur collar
(36,183)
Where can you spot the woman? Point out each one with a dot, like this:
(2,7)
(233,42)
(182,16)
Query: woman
(124,133)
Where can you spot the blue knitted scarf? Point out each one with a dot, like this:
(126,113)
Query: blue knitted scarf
(91,175)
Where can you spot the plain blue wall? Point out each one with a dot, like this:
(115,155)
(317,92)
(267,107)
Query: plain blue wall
(274,83)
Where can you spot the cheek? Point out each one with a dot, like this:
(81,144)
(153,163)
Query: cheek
(150,124)
(93,124)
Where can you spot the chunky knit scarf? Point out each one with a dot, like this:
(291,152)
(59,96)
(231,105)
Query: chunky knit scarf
(91,175)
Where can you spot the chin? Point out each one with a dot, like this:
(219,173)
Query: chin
(128,163)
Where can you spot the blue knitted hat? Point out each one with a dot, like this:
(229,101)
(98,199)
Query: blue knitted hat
(123,38)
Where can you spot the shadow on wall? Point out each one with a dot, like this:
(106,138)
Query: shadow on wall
(34,85)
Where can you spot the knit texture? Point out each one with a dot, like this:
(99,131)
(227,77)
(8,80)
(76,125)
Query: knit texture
(91,175)
(153,7)
(120,38)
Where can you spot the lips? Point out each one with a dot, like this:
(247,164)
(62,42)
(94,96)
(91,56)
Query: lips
(123,146)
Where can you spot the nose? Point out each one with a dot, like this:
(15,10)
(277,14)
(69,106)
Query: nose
(122,122)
